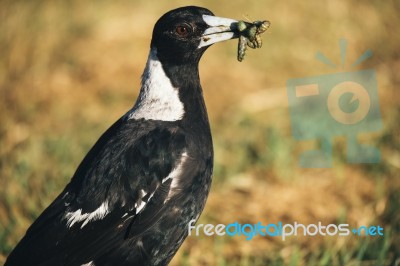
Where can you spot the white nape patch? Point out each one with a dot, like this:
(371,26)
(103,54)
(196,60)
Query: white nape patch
(90,263)
(174,175)
(78,216)
(158,99)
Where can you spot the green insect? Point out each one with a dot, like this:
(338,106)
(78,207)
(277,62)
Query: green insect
(250,36)
(261,26)
(241,26)
(242,47)
(247,36)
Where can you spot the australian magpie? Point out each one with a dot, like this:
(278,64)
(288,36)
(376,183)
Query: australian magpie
(133,195)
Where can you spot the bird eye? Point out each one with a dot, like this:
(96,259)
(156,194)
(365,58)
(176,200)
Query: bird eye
(183,30)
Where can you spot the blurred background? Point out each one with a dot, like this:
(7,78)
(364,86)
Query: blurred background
(69,69)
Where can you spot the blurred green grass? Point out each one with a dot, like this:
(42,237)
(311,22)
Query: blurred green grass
(68,69)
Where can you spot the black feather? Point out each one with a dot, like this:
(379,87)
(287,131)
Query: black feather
(127,167)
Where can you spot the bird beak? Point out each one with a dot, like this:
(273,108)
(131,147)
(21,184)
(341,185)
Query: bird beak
(220,29)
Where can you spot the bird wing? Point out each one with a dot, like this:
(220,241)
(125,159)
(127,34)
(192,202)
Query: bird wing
(127,174)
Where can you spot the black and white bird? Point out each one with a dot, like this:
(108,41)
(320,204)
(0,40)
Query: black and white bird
(133,195)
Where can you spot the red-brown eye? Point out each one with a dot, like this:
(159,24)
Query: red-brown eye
(183,30)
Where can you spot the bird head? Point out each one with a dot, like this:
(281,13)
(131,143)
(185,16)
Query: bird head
(183,34)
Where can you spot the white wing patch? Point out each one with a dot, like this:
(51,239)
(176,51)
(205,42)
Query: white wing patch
(102,211)
(141,203)
(158,98)
(140,206)
(78,216)
(90,263)
(174,175)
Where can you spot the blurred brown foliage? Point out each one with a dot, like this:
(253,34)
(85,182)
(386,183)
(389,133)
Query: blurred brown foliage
(68,69)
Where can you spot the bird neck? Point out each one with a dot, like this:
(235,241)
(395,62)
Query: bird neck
(169,92)
(186,78)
